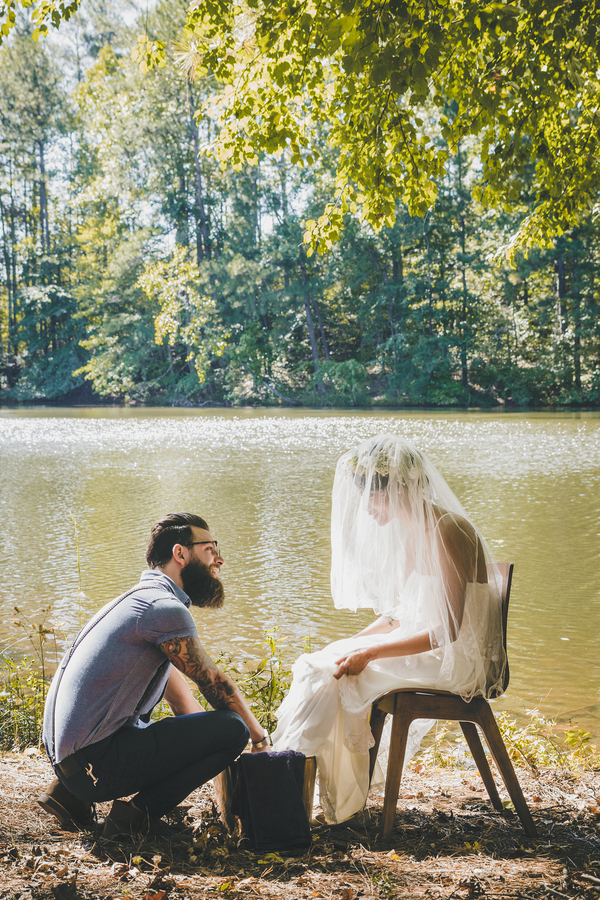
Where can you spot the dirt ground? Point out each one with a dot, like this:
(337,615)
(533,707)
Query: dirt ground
(448,842)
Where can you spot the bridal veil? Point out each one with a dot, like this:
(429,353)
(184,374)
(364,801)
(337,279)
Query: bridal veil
(394,516)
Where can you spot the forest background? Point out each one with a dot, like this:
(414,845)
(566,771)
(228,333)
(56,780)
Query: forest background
(135,268)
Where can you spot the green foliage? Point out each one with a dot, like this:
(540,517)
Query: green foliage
(151,54)
(44,12)
(49,332)
(187,315)
(267,683)
(52,377)
(23,687)
(130,259)
(264,684)
(537,743)
(384,883)
(22,696)
(440,749)
(522,80)
(350,380)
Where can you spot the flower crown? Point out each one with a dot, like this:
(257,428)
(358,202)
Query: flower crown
(379,463)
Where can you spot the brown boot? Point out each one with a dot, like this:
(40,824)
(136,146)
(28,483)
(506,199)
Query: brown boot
(125,820)
(72,813)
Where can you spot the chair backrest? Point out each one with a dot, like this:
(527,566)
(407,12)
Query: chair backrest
(502,572)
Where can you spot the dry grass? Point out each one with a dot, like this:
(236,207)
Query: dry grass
(447,843)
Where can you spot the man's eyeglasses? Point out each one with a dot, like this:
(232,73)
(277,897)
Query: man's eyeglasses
(214,544)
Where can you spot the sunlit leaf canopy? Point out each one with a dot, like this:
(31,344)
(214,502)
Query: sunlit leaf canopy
(44,14)
(396,86)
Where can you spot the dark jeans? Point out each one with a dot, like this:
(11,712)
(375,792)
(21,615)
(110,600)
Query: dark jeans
(162,763)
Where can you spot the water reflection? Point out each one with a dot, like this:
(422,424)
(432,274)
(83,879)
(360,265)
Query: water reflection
(263,481)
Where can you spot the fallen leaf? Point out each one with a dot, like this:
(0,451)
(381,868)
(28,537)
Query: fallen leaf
(117,870)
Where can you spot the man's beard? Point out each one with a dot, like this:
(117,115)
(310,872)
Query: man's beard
(201,586)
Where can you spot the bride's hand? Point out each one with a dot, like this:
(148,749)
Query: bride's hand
(352,663)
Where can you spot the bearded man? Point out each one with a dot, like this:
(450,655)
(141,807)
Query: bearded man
(97,728)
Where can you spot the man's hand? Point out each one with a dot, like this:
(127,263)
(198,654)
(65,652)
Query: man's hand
(353,663)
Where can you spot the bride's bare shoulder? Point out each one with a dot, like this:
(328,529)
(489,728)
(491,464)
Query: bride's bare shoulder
(454,528)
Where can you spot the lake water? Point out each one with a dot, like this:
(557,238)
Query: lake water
(262,479)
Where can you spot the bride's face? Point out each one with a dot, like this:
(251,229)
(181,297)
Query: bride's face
(379,507)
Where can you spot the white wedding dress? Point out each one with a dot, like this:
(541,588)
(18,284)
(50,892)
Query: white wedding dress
(328,718)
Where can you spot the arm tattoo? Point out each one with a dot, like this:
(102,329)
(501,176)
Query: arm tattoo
(189,657)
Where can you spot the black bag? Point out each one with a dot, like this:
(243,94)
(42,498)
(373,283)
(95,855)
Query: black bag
(268,799)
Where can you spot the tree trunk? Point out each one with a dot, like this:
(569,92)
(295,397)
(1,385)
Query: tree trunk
(283,182)
(255,206)
(202,238)
(12,312)
(310,324)
(429,291)
(6,257)
(576,293)
(560,323)
(182,235)
(464,305)
(396,296)
(284,211)
(44,221)
(591,309)
(463,350)
(322,330)
(561,292)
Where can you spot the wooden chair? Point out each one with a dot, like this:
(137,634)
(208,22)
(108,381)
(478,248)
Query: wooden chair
(407,704)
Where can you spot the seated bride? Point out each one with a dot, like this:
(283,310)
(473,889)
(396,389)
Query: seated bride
(402,545)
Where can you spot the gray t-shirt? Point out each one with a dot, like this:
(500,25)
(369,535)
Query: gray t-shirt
(117,672)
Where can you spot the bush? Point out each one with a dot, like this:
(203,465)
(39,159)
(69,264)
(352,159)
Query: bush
(22,696)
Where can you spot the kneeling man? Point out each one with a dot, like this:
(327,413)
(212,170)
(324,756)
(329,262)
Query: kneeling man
(97,731)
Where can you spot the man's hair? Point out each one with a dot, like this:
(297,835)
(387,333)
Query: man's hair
(176,528)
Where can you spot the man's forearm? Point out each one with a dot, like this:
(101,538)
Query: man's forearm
(179,696)
(238,704)
(188,655)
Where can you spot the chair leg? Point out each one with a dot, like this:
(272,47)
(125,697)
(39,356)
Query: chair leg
(378,717)
(499,752)
(401,722)
(470,732)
